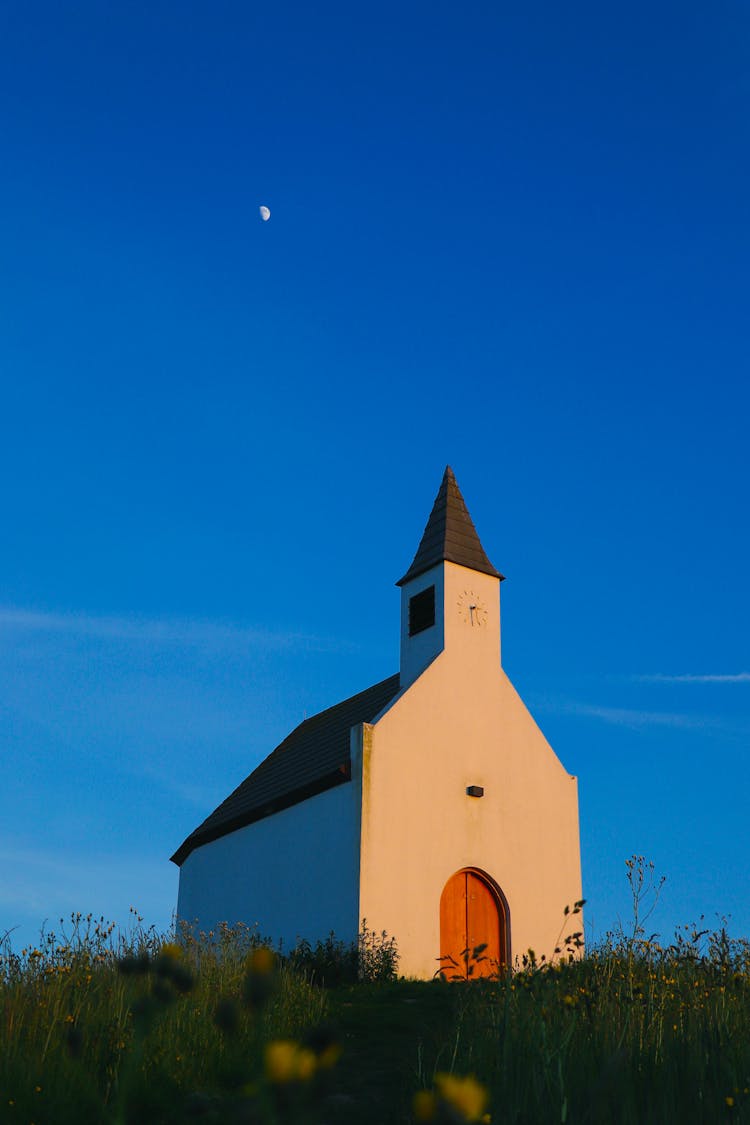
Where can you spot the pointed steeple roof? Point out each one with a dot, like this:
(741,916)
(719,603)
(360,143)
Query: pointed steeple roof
(450,535)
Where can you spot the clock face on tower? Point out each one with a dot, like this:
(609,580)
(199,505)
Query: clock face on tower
(472,609)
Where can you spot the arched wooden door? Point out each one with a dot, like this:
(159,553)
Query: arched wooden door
(471,914)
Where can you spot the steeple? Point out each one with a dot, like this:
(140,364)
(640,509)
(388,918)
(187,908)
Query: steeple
(450,535)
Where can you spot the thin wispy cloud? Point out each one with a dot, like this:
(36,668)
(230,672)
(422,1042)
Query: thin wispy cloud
(694,678)
(638,718)
(630,716)
(634,717)
(161,631)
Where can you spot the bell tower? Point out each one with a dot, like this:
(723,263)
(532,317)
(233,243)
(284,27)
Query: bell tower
(450,595)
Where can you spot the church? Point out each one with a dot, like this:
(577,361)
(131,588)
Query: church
(429,804)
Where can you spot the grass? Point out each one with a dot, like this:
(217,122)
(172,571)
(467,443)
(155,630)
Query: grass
(97,1028)
(640,1034)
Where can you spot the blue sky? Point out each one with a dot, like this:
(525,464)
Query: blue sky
(512,238)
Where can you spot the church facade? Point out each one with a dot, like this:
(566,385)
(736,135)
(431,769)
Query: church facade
(430,804)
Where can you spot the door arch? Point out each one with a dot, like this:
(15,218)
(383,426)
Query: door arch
(473,912)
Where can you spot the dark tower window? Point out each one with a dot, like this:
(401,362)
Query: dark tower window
(422,611)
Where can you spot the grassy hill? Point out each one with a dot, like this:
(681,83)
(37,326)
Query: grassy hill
(93,1030)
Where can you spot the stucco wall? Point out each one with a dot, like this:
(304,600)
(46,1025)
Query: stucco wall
(294,873)
(418,651)
(462,723)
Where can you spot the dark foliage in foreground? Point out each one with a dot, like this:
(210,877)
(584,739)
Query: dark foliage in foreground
(97,1030)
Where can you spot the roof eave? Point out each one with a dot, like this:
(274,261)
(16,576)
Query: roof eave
(198,838)
(415,572)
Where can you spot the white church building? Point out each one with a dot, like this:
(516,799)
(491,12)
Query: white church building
(429,804)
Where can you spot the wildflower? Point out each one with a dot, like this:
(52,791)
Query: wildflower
(329,1056)
(259,977)
(287,1061)
(424,1105)
(465,1095)
(261,961)
(172,949)
(729,1100)
(323,1041)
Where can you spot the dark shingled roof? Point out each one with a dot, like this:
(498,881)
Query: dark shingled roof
(450,535)
(314,757)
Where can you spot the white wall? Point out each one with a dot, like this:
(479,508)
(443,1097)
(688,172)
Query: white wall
(295,873)
(418,651)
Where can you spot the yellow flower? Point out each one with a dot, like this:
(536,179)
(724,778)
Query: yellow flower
(280,1059)
(171,949)
(465,1095)
(306,1064)
(286,1061)
(262,961)
(328,1058)
(424,1105)
(729,1100)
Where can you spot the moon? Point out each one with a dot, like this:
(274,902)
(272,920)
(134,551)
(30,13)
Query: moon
(265,214)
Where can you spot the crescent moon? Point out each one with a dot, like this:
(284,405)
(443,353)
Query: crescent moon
(265,214)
